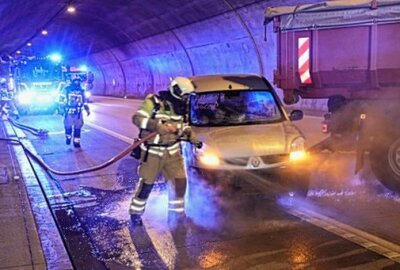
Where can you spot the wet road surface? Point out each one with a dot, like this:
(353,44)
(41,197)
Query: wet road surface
(254,227)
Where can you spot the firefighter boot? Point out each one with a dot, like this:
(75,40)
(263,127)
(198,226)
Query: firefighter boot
(136,220)
(68,135)
(176,220)
(77,138)
(138,203)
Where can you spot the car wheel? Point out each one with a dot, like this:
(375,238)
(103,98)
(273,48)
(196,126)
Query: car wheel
(298,183)
(385,161)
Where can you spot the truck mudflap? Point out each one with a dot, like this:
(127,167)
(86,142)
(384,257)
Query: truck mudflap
(362,140)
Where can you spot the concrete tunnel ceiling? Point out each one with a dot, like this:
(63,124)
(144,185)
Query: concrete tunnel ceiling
(134,47)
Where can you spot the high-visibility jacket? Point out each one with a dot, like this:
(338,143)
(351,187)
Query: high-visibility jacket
(73,99)
(149,118)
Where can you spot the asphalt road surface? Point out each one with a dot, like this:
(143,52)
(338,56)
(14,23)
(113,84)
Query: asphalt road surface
(346,221)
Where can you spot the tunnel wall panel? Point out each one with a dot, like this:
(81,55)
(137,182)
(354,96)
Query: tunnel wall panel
(223,58)
(138,78)
(232,42)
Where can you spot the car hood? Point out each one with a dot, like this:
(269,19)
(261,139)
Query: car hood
(248,140)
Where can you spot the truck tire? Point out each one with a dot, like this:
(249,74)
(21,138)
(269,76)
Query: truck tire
(385,161)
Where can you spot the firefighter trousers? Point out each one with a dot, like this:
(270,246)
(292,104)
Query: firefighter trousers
(172,167)
(73,122)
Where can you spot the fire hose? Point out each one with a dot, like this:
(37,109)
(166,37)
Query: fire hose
(32,130)
(91,169)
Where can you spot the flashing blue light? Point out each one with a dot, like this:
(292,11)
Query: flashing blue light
(83,68)
(55,57)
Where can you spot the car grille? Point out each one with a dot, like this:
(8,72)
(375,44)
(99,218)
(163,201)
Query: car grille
(242,161)
(270,159)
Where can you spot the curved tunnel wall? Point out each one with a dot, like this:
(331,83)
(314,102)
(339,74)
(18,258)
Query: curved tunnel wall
(229,43)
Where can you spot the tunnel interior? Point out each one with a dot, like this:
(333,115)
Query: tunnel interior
(136,47)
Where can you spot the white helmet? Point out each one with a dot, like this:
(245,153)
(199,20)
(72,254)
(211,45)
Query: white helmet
(181,86)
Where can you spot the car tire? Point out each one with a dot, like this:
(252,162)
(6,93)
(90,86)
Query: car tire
(297,183)
(385,161)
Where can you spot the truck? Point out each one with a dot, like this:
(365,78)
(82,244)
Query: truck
(346,52)
(37,81)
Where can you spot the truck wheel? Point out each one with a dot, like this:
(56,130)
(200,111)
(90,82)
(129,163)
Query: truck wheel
(385,162)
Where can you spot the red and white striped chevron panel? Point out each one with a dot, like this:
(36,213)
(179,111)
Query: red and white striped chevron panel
(304,60)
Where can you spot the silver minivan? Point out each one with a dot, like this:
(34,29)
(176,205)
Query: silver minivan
(243,126)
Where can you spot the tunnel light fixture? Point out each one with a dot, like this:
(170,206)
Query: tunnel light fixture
(71,9)
(18,52)
(29,44)
(44,32)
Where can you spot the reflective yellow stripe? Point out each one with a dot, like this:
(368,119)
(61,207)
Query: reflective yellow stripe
(143,123)
(157,139)
(173,152)
(151,151)
(138,202)
(176,202)
(144,113)
(160,115)
(136,209)
(176,209)
(175,146)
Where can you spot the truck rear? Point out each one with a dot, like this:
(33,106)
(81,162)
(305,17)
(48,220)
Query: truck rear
(347,52)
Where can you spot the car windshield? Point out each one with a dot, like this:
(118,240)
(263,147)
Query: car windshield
(233,107)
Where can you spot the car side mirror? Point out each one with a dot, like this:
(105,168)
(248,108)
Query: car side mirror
(296,115)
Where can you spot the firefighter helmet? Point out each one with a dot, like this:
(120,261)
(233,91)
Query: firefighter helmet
(181,86)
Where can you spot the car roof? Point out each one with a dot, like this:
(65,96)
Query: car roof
(209,83)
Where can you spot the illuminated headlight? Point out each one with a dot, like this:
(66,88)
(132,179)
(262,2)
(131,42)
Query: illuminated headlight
(297,151)
(45,99)
(206,156)
(26,97)
(54,93)
(88,94)
(209,159)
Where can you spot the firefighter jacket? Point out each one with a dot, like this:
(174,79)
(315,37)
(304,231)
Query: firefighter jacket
(72,100)
(6,94)
(151,117)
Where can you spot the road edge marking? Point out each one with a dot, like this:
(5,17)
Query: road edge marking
(371,242)
(45,224)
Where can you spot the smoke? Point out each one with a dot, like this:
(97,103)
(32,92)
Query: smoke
(202,202)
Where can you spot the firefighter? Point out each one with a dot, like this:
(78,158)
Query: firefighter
(72,101)
(7,97)
(165,114)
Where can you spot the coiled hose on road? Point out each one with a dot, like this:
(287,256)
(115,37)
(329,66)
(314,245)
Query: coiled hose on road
(35,131)
(114,159)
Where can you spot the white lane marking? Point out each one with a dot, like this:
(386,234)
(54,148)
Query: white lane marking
(110,132)
(364,239)
(374,243)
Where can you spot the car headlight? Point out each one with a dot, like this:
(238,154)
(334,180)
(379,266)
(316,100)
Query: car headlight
(26,97)
(206,156)
(297,150)
(209,159)
(54,92)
